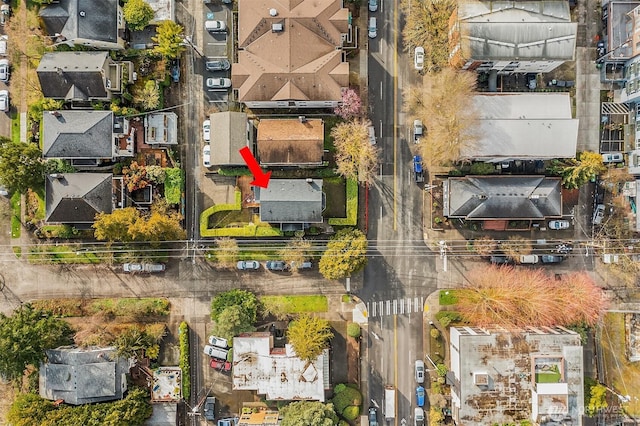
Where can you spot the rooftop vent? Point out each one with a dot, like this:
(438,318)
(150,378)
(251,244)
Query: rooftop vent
(276,28)
(273,12)
(481,379)
(302,118)
(55,176)
(83,13)
(309,180)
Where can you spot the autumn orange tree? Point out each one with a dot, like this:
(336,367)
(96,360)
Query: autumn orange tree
(355,157)
(514,297)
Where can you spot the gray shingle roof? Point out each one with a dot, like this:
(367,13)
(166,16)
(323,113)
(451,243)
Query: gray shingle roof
(73,75)
(291,201)
(503,197)
(98,22)
(78,197)
(78,134)
(81,376)
(228,136)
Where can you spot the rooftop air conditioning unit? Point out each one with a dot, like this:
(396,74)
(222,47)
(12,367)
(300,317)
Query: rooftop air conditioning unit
(276,28)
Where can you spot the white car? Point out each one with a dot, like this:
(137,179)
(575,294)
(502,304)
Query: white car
(215,26)
(613,157)
(219,342)
(4,70)
(417,130)
(245,265)
(4,39)
(4,101)
(559,224)
(373,27)
(206,156)
(419,371)
(418,58)
(206,130)
(373,5)
(218,83)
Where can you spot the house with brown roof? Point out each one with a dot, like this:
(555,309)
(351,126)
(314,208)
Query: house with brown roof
(290,53)
(290,142)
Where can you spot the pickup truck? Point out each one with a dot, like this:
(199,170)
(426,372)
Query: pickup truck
(418,130)
(149,268)
(417,169)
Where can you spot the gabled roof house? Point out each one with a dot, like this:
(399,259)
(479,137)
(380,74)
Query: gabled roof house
(500,376)
(82,76)
(85,135)
(290,53)
(512,36)
(93,23)
(83,375)
(76,198)
(290,142)
(502,197)
(291,203)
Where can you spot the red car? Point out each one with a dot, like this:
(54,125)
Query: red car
(219,364)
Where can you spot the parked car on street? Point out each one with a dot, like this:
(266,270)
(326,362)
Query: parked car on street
(418,173)
(215,26)
(212,64)
(220,364)
(373,5)
(418,416)
(143,267)
(4,101)
(218,83)
(500,260)
(373,416)
(248,265)
(210,408)
(206,130)
(276,265)
(5,70)
(559,224)
(216,352)
(418,58)
(175,70)
(4,39)
(373,27)
(529,259)
(417,130)
(613,157)
(551,258)
(219,342)
(420,396)
(419,370)
(206,156)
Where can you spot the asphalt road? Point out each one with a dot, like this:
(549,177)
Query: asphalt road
(400,273)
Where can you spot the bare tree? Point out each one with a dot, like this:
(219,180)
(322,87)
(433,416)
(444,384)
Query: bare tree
(444,102)
(296,252)
(355,156)
(515,247)
(484,246)
(227,252)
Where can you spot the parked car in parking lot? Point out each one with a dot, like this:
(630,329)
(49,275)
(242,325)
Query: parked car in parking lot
(247,265)
(551,258)
(212,64)
(5,70)
(532,81)
(219,342)
(220,364)
(4,101)
(418,58)
(276,265)
(218,83)
(419,370)
(598,214)
(559,224)
(420,396)
(215,26)
(210,408)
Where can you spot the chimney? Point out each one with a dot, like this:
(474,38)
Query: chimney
(302,118)
(309,180)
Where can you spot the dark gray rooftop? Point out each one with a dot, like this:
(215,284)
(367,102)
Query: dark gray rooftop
(78,197)
(84,19)
(78,134)
(503,197)
(73,75)
(291,201)
(83,375)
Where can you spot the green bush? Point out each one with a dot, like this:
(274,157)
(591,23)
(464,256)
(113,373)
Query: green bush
(173,185)
(346,398)
(353,330)
(339,388)
(234,171)
(447,317)
(351,412)
(482,169)
(204,216)
(455,173)
(183,332)
(352,206)
(441,369)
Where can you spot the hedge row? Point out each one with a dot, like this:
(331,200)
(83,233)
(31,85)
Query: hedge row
(204,216)
(352,206)
(183,333)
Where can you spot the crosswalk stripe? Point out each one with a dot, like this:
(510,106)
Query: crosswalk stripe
(398,306)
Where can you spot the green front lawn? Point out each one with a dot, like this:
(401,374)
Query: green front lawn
(296,304)
(15,215)
(548,377)
(61,254)
(15,127)
(447,297)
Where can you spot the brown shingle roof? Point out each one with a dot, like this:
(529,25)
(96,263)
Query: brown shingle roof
(290,142)
(299,63)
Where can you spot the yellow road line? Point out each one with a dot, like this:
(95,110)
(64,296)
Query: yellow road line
(395,112)
(395,367)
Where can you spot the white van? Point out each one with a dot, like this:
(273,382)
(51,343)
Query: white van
(598,214)
(529,259)
(215,352)
(373,27)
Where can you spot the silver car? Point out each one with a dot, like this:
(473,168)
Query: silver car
(419,371)
(4,101)
(250,265)
(218,83)
(217,64)
(4,70)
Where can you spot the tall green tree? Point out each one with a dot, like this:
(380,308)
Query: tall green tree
(137,13)
(231,322)
(345,254)
(169,37)
(21,166)
(25,335)
(577,172)
(309,413)
(309,336)
(246,300)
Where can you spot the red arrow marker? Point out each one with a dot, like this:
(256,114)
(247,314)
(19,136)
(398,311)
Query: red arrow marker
(259,179)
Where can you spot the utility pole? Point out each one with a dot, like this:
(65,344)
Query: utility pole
(443,253)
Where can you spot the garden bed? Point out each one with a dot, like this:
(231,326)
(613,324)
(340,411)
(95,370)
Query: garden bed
(336,192)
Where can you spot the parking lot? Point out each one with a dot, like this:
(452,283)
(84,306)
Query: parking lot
(216,45)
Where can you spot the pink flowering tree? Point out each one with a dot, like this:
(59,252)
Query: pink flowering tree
(351,105)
